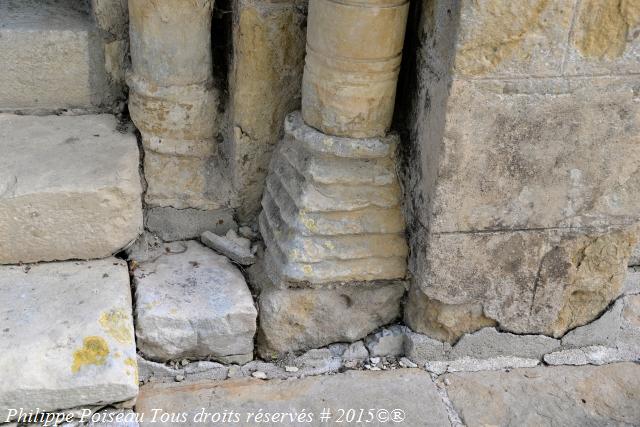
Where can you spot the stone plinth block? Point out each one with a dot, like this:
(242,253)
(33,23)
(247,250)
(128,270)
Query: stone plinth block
(332,209)
(67,336)
(353,58)
(69,188)
(52,57)
(192,302)
(300,319)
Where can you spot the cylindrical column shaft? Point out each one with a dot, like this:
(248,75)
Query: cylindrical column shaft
(354,51)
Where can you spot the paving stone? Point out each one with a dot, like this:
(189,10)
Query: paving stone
(183,224)
(548,396)
(302,319)
(354,389)
(52,56)
(193,304)
(69,188)
(80,348)
(488,342)
(387,342)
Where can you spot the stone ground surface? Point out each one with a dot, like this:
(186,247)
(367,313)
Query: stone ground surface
(66,339)
(69,188)
(413,391)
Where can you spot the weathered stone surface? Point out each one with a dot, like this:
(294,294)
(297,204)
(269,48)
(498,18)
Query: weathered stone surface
(420,348)
(300,319)
(193,303)
(234,247)
(470,364)
(444,322)
(556,280)
(349,82)
(112,17)
(183,224)
(320,232)
(387,342)
(605,395)
(615,336)
(318,361)
(69,188)
(488,342)
(265,80)
(196,371)
(592,355)
(631,285)
(184,182)
(394,389)
(66,71)
(80,348)
(355,351)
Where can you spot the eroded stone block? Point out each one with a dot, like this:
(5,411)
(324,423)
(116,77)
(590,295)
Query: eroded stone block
(67,335)
(193,303)
(69,188)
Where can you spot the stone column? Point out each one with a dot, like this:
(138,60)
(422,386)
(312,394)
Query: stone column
(332,222)
(354,51)
(173,102)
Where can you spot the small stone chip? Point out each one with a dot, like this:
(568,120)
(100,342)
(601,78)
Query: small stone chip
(291,368)
(259,374)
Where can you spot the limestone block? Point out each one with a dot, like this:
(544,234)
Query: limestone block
(300,319)
(605,39)
(351,69)
(548,156)
(52,57)
(488,342)
(193,303)
(184,182)
(80,349)
(604,395)
(69,188)
(499,38)
(252,399)
(547,281)
(181,224)
(265,81)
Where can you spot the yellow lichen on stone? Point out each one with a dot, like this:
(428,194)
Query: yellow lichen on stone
(504,26)
(117,324)
(94,351)
(134,365)
(603,25)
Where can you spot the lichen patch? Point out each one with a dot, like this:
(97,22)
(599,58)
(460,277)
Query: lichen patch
(94,351)
(118,325)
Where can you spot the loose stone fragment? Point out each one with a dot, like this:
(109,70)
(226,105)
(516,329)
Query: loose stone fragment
(488,342)
(236,248)
(387,342)
(194,304)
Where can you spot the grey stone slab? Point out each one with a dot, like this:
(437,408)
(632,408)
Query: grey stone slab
(488,342)
(237,249)
(592,355)
(548,396)
(183,224)
(193,304)
(409,390)
(387,342)
(67,335)
(69,188)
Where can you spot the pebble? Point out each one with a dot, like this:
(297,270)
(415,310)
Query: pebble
(260,375)
(291,368)
(179,377)
(184,362)
(374,360)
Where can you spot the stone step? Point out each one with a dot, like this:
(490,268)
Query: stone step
(407,395)
(66,338)
(52,56)
(69,188)
(193,303)
(327,198)
(309,249)
(367,220)
(337,170)
(283,272)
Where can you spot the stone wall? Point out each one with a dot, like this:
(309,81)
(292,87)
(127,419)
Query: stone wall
(521,172)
